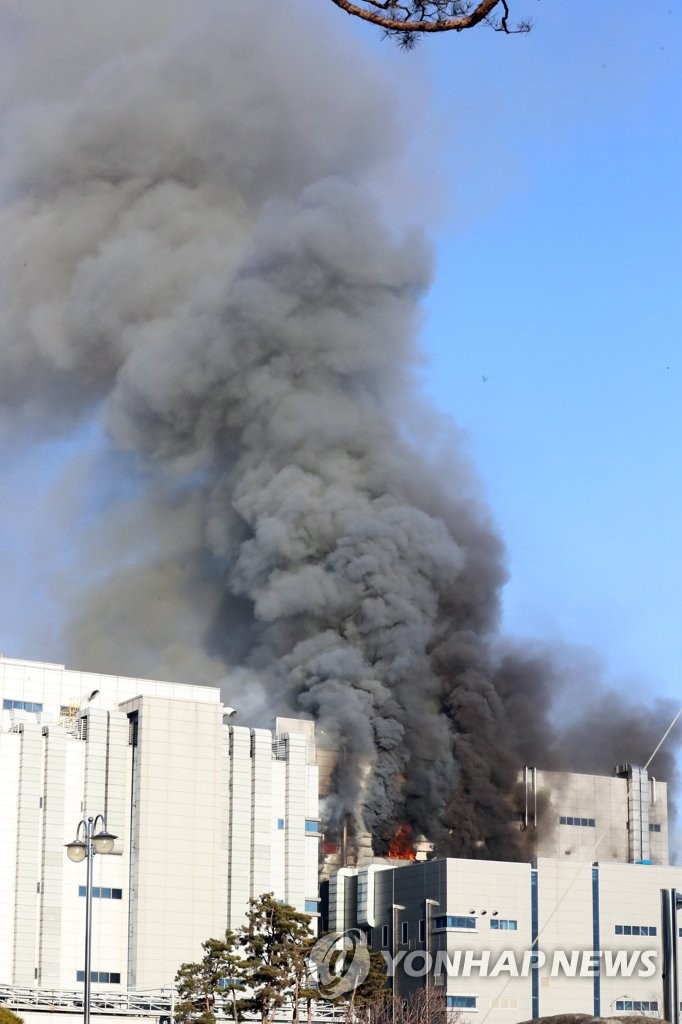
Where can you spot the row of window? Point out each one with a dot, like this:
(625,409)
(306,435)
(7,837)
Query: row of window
(454,922)
(21,705)
(101,977)
(496,923)
(636,1004)
(585,822)
(102,892)
(654,827)
(312,827)
(635,929)
(503,924)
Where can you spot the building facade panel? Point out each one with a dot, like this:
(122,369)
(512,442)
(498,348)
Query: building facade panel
(194,801)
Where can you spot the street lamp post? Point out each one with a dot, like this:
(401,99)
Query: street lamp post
(671,901)
(87,843)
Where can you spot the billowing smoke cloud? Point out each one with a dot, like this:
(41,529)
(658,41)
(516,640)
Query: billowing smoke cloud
(197,254)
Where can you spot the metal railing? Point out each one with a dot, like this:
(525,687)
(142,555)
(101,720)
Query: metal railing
(157,1003)
(154,1003)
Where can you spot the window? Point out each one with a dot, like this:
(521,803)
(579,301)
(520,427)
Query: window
(654,827)
(100,977)
(280,823)
(102,892)
(311,906)
(21,705)
(645,1005)
(462,1002)
(134,728)
(583,822)
(403,932)
(384,935)
(422,930)
(636,929)
(312,827)
(503,924)
(454,922)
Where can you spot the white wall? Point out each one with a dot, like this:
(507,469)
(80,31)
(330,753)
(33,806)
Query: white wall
(195,807)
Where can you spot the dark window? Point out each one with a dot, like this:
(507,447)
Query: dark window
(654,828)
(22,705)
(403,932)
(384,935)
(462,1002)
(101,977)
(637,929)
(102,892)
(422,930)
(454,922)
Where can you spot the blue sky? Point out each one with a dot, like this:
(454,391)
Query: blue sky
(561,285)
(558,279)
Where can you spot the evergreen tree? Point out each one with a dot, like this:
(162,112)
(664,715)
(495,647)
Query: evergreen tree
(273,942)
(210,984)
(7,1017)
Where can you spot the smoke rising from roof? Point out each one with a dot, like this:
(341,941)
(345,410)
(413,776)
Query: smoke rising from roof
(196,257)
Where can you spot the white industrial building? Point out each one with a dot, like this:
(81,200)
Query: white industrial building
(476,911)
(622,817)
(595,894)
(207,814)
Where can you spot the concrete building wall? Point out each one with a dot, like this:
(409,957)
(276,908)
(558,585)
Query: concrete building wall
(488,910)
(621,818)
(9,811)
(196,805)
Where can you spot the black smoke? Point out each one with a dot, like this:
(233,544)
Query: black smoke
(198,250)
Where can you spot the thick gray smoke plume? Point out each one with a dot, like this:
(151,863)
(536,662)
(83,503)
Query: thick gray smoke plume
(192,252)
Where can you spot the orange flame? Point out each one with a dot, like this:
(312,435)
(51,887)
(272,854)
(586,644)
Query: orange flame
(400,846)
